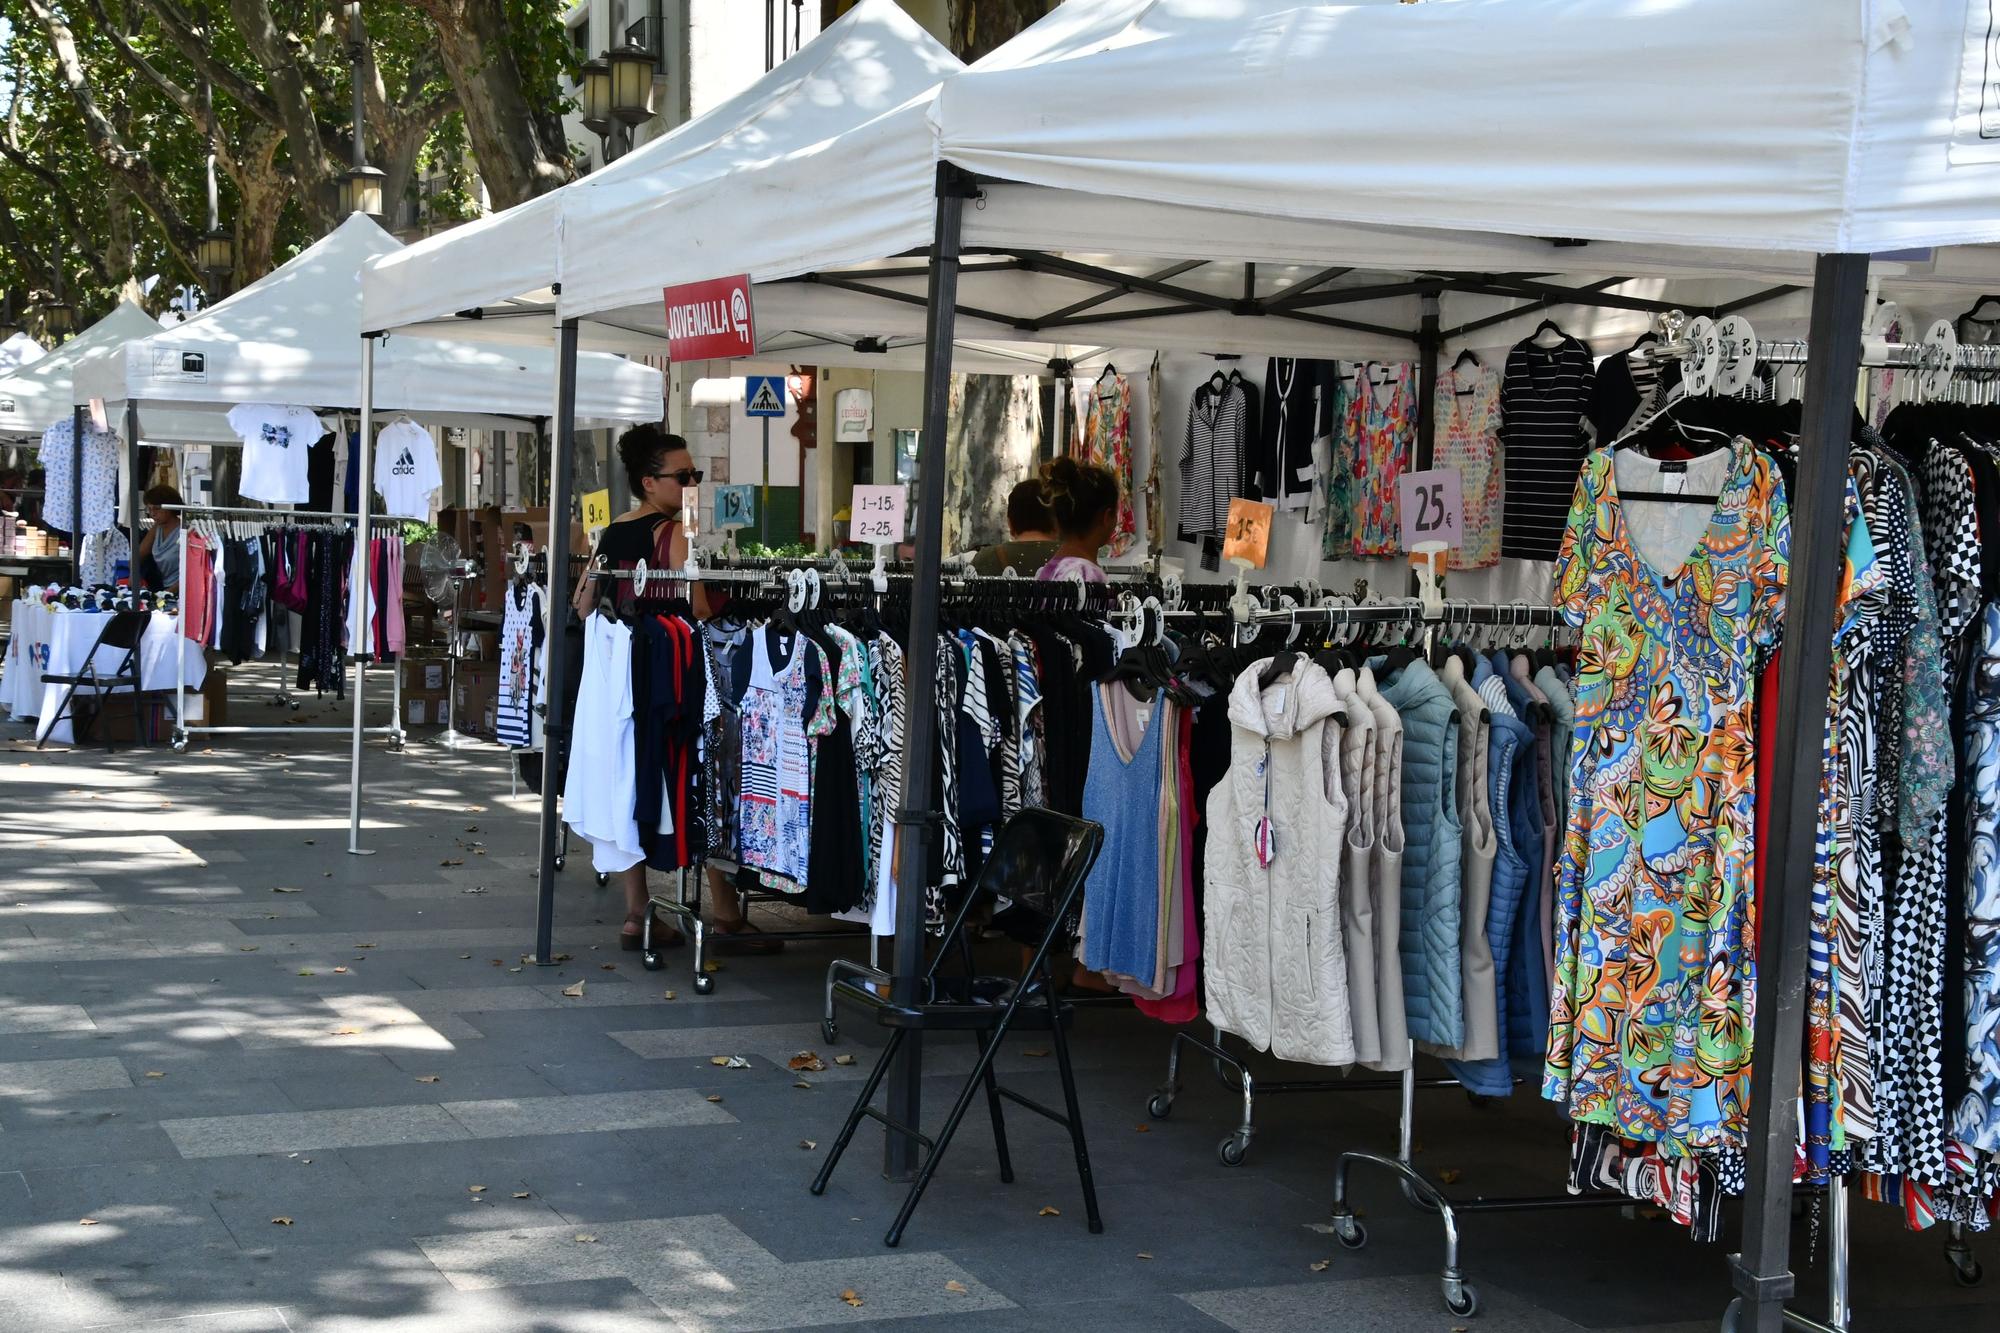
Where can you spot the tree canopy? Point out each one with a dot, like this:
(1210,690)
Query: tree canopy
(105,108)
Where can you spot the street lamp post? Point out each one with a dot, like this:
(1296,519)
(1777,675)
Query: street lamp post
(361,187)
(215,254)
(617,95)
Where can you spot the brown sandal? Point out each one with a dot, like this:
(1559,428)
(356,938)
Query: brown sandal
(738,937)
(664,935)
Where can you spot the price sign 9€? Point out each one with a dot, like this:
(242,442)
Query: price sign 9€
(878,513)
(1247,536)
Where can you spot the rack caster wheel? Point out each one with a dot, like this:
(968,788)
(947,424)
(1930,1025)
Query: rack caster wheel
(1349,1232)
(602,880)
(560,858)
(1967,1272)
(180,745)
(704,985)
(829,1030)
(295,705)
(1162,1106)
(1732,1317)
(1461,1298)
(651,960)
(1230,1151)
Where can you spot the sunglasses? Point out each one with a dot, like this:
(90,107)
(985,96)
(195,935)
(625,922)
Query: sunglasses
(687,476)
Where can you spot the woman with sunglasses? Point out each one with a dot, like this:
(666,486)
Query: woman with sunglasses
(658,467)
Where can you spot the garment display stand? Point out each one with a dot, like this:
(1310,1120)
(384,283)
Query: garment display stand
(243,517)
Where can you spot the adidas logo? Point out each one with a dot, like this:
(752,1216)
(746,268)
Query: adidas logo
(405,464)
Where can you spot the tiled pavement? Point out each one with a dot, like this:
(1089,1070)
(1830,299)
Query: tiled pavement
(187,1055)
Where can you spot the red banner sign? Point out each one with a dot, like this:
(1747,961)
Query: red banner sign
(711,320)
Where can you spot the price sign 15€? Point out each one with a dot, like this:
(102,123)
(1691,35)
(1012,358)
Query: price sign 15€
(1431,507)
(1247,536)
(878,513)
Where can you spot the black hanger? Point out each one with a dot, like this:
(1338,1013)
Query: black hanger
(1276,667)
(1465,354)
(1548,326)
(1972,312)
(1109,369)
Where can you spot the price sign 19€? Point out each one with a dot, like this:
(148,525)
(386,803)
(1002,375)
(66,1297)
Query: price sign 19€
(878,513)
(735,506)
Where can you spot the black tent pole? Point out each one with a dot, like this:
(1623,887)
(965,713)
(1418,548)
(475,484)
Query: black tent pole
(1762,1271)
(914,820)
(555,718)
(79,420)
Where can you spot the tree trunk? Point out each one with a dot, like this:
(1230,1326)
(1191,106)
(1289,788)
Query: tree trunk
(262,191)
(977,26)
(520,149)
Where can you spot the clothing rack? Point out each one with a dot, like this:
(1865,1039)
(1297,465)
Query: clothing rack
(261,517)
(1460,1296)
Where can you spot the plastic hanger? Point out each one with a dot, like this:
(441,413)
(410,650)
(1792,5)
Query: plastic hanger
(1548,326)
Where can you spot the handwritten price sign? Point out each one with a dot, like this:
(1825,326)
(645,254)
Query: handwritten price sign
(879,513)
(1432,508)
(735,506)
(1247,534)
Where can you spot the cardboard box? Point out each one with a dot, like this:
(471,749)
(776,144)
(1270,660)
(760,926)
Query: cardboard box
(209,706)
(476,695)
(426,710)
(423,675)
(93,723)
(479,644)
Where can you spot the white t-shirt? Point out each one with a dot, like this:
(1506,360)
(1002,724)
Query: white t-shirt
(275,440)
(406,469)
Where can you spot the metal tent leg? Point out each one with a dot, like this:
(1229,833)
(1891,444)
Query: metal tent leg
(1762,1272)
(358,596)
(555,717)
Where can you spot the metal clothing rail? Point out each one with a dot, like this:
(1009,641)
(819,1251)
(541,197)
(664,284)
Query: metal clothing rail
(245,516)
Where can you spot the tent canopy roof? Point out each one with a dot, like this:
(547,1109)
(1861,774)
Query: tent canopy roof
(294,336)
(1147,176)
(38,395)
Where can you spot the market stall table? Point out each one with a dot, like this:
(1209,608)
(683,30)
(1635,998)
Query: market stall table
(44,635)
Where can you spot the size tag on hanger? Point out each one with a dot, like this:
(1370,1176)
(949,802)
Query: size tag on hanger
(1736,344)
(1248,534)
(879,514)
(1431,507)
(1703,366)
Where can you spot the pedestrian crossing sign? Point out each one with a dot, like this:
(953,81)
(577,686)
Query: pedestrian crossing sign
(764,395)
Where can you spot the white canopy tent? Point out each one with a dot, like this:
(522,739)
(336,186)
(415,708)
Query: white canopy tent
(19,350)
(294,336)
(1222,175)
(40,394)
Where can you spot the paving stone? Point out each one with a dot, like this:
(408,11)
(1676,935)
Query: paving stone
(221,1136)
(31,1078)
(19,1017)
(1390,1304)
(707,1275)
(590,1113)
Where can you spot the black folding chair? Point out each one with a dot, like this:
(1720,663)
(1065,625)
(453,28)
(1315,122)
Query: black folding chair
(1039,862)
(122,630)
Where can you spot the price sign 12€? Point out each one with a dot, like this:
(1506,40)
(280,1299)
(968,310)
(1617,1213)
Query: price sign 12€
(1431,507)
(878,514)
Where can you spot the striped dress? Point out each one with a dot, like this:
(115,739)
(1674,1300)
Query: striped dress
(1212,457)
(1542,398)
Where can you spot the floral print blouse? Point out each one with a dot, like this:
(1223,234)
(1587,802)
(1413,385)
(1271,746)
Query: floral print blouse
(1650,1014)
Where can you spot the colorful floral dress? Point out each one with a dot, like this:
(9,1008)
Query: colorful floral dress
(1382,424)
(1336,471)
(1650,1013)
(1468,408)
(1107,441)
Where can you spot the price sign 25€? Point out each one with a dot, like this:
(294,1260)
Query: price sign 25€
(1431,506)
(879,513)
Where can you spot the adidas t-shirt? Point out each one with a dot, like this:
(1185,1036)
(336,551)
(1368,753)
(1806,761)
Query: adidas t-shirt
(276,439)
(406,469)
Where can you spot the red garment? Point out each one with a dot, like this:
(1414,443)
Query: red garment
(198,589)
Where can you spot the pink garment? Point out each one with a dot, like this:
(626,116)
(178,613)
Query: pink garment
(1067,566)
(397,635)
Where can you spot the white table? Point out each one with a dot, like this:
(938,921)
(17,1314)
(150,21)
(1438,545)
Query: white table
(51,640)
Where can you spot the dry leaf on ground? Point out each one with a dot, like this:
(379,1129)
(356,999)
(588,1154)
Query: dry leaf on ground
(281,888)
(1322,1265)
(806,1062)
(87,1222)
(281,1221)
(802,1084)
(852,1297)
(1142,1129)
(465,955)
(427,1078)
(306,972)
(843,1059)
(156,1073)
(522,1194)
(574,992)
(607,967)
(1049,1210)
(711,966)
(956,1286)
(585,1238)
(246,948)
(477,1189)
(1035,1054)
(1144,1254)
(346,1032)
(715,1097)
(669,995)
(808,1144)
(451,861)
(340,969)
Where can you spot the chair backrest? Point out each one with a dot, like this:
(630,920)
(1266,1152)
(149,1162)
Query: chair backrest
(1039,860)
(124,630)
